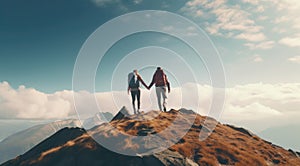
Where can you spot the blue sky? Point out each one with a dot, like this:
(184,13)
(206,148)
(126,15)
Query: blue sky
(40,40)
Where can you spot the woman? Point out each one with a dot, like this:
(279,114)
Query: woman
(134,80)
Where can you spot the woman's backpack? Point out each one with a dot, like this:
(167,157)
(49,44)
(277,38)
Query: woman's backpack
(133,81)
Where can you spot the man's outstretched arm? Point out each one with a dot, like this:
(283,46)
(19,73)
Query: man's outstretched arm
(152,82)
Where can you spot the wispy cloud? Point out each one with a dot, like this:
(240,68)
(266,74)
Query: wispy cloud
(262,18)
(285,11)
(137,1)
(249,20)
(230,21)
(258,58)
(252,37)
(261,46)
(253,2)
(289,5)
(259,9)
(117,3)
(281,19)
(279,30)
(102,3)
(295,59)
(292,41)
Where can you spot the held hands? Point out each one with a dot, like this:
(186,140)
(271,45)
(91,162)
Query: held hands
(147,87)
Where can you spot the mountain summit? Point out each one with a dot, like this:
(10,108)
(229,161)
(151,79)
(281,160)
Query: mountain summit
(227,145)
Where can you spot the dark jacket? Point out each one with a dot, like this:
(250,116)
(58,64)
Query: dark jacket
(139,78)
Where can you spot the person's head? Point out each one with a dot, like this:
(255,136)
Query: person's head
(158,68)
(135,71)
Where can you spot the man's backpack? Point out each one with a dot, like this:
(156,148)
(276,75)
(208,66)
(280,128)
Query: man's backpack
(161,78)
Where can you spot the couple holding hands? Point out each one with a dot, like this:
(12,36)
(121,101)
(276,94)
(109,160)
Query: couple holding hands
(161,83)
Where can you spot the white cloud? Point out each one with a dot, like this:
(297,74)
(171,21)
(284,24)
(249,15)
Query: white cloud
(289,5)
(196,2)
(205,3)
(259,106)
(295,59)
(118,4)
(102,3)
(215,4)
(253,37)
(281,19)
(185,31)
(260,46)
(297,24)
(29,103)
(246,20)
(279,30)
(258,58)
(234,18)
(213,29)
(199,13)
(260,9)
(291,41)
(245,104)
(247,112)
(256,4)
(253,2)
(226,20)
(262,18)
(137,1)
(288,11)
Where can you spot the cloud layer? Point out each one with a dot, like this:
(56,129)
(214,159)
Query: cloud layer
(28,103)
(250,105)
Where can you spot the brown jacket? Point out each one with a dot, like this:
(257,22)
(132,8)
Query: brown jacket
(160,79)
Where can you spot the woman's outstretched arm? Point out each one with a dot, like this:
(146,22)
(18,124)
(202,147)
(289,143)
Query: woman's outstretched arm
(142,81)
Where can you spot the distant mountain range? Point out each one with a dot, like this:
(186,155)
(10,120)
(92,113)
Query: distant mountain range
(227,145)
(22,141)
(15,126)
(97,119)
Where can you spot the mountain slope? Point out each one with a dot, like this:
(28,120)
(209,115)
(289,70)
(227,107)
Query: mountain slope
(22,141)
(73,146)
(227,145)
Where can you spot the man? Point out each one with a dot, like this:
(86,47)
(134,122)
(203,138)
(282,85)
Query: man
(161,83)
(134,80)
